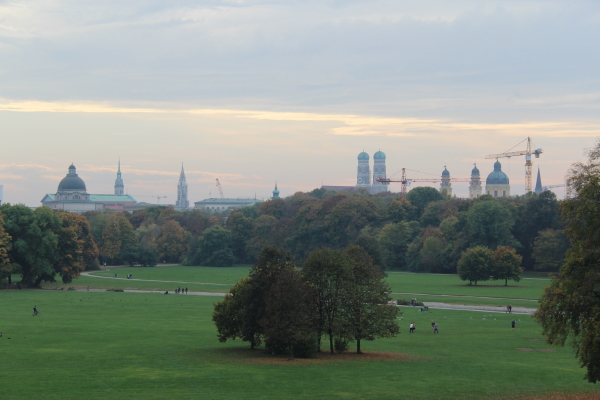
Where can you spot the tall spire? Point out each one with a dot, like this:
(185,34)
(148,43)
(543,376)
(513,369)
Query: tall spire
(275,192)
(538,185)
(182,192)
(119,186)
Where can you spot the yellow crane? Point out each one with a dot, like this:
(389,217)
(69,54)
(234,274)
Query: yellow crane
(528,164)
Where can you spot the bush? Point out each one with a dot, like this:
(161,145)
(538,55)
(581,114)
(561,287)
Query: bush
(340,344)
(114,290)
(404,302)
(71,288)
(306,348)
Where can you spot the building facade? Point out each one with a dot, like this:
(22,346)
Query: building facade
(71,195)
(119,186)
(363,171)
(446,186)
(497,183)
(220,205)
(475,189)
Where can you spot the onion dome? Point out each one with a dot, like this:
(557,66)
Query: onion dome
(445,173)
(380,155)
(72,181)
(475,170)
(497,177)
(363,156)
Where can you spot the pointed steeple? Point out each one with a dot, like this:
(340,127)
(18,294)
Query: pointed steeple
(119,186)
(275,192)
(538,184)
(182,192)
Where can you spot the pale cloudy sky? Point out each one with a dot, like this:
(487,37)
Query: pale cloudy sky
(253,92)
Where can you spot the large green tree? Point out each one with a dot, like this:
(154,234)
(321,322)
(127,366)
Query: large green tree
(489,224)
(475,264)
(421,196)
(6,267)
(570,305)
(329,273)
(507,265)
(549,250)
(367,313)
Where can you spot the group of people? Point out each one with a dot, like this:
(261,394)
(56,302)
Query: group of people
(434,327)
(129,276)
(181,290)
(509,309)
(413,301)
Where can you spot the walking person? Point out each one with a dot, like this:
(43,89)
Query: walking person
(35,311)
(412,327)
(432,324)
(435,328)
(513,324)
(509,309)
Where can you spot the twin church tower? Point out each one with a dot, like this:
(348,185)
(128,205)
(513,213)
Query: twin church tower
(363,175)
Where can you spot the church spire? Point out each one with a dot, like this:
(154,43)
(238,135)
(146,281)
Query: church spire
(119,186)
(538,184)
(182,192)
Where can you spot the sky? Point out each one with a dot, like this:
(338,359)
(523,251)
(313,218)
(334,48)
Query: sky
(263,91)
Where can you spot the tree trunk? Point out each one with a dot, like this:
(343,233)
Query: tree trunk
(331,342)
(9,279)
(319,344)
(291,352)
(505,281)
(358,346)
(252,344)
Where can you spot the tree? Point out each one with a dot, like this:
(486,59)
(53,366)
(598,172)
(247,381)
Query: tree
(6,267)
(393,242)
(507,265)
(489,224)
(212,249)
(421,196)
(287,320)
(400,210)
(328,273)
(475,264)
(275,208)
(111,240)
(549,250)
(228,315)
(262,277)
(172,245)
(570,305)
(367,313)
(89,250)
(241,231)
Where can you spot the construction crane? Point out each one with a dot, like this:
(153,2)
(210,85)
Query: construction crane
(528,164)
(220,190)
(406,182)
(154,197)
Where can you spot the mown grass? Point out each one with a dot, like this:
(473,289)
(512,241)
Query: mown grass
(106,345)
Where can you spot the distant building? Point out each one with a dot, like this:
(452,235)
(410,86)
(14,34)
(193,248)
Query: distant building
(275,193)
(72,195)
(446,186)
(538,184)
(497,183)
(363,175)
(475,185)
(213,204)
(119,186)
(182,192)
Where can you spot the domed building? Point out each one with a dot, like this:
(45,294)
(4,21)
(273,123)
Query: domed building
(71,195)
(379,171)
(475,184)
(446,186)
(363,171)
(497,183)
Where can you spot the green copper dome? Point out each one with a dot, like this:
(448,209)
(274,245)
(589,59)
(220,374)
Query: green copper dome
(363,156)
(72,181)
(445,172)
(497,177)
(380,155)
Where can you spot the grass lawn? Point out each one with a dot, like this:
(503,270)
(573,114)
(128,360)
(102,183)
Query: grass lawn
(450,284)
(106,345)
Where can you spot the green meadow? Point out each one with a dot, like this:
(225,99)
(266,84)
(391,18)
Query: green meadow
(108,345)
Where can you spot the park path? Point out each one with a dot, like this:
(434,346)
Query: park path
(432,305)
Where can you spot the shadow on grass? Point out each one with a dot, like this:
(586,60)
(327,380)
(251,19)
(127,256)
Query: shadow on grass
(261,356)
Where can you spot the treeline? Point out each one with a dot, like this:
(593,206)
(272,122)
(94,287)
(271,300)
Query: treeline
(339,295)
(41,243)
(423,232)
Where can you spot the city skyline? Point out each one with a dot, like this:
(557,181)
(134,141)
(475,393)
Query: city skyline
(253,92)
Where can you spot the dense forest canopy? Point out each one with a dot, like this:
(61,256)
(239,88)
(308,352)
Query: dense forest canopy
(422,232)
